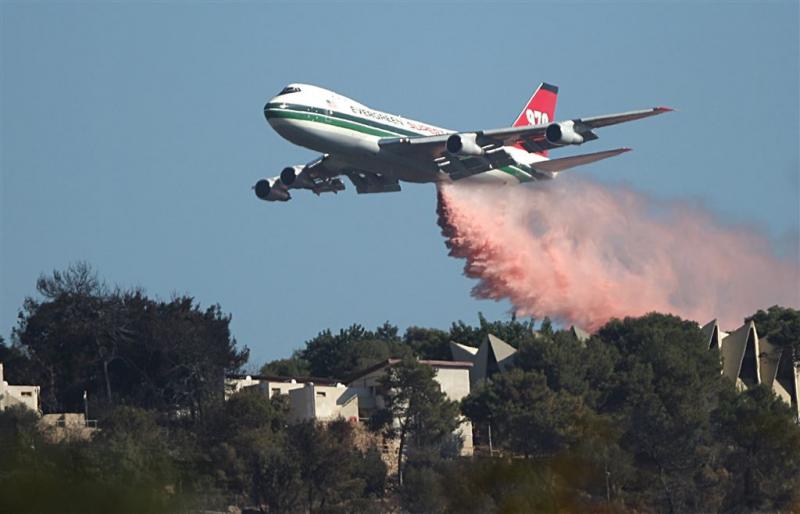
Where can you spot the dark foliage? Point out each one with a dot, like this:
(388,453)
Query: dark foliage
(122,346)
(644,405)
(636,419)
(781,325)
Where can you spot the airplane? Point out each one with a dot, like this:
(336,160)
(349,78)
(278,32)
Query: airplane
(376,150)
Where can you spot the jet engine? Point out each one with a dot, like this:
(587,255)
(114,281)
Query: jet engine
(563,134)
(294,178)
(464,144)
(289,174)
(272,190)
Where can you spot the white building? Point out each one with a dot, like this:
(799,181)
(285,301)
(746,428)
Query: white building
(10,395)
(494,355)
(269,384)
(309,398)
(748,360)
(453,378)
(323,403)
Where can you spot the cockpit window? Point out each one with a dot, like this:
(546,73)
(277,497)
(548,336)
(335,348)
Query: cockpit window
(289,89)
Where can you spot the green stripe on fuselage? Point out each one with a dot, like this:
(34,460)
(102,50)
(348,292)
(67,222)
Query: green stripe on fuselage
(397,131)
(321,118)
(517,173)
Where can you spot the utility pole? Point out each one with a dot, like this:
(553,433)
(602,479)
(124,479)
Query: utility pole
(85,409)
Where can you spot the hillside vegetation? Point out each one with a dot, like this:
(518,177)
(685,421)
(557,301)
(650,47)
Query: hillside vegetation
(636,419)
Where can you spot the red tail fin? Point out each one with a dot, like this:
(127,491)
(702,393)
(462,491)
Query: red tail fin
(541,108)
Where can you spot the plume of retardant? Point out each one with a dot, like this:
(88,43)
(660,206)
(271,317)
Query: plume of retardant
(583,253)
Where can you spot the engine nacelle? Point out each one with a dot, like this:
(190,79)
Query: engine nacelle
(271,190)
(563,134)
(288,175)
(464,144)
(294,178)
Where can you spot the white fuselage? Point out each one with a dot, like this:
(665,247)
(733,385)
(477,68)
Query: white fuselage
(330,123)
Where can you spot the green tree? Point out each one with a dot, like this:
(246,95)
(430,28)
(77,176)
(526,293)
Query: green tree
(417,412)
(17,366)
(123,347)
(240,435)
(291,367)
(561,358)
(526,416)
(664,385)
(352,349)
(315,467)
(763,456)
(781,325)
(132,448)
(127,468)
(513,332)
(428,343)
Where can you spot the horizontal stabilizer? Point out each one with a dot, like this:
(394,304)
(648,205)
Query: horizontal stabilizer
(566,163)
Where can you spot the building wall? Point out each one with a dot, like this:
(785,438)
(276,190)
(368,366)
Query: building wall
(10,395)
(453,382)
(234,385)
(322,403)
(275,388)
(268,387)
(26,395)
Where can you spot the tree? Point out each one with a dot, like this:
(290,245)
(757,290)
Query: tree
(417,411)
(428,343)
(19,438)
(127,468)
(17,366)
(665,383)
(291,367)
(238,436)
(763,456)
(123,347)
(561,358)
(513,332)
(781,325)
(526,416)
(133,449)
(317,467)
(352,349)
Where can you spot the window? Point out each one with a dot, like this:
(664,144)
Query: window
(27,393)
(289,89)
(321,394)
(276,390)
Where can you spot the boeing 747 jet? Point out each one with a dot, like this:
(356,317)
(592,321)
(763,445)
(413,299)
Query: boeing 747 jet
(377,150)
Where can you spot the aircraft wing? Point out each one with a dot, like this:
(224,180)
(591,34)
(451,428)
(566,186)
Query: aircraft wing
(322,176)
(566,163)
(533,138)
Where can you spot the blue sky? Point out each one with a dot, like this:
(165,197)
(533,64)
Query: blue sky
(132,133)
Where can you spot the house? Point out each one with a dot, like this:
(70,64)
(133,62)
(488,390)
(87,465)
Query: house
(269,384)
(309,397)
(323,403)
(25,395)
(748,360)
(453,378)
(494,355)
